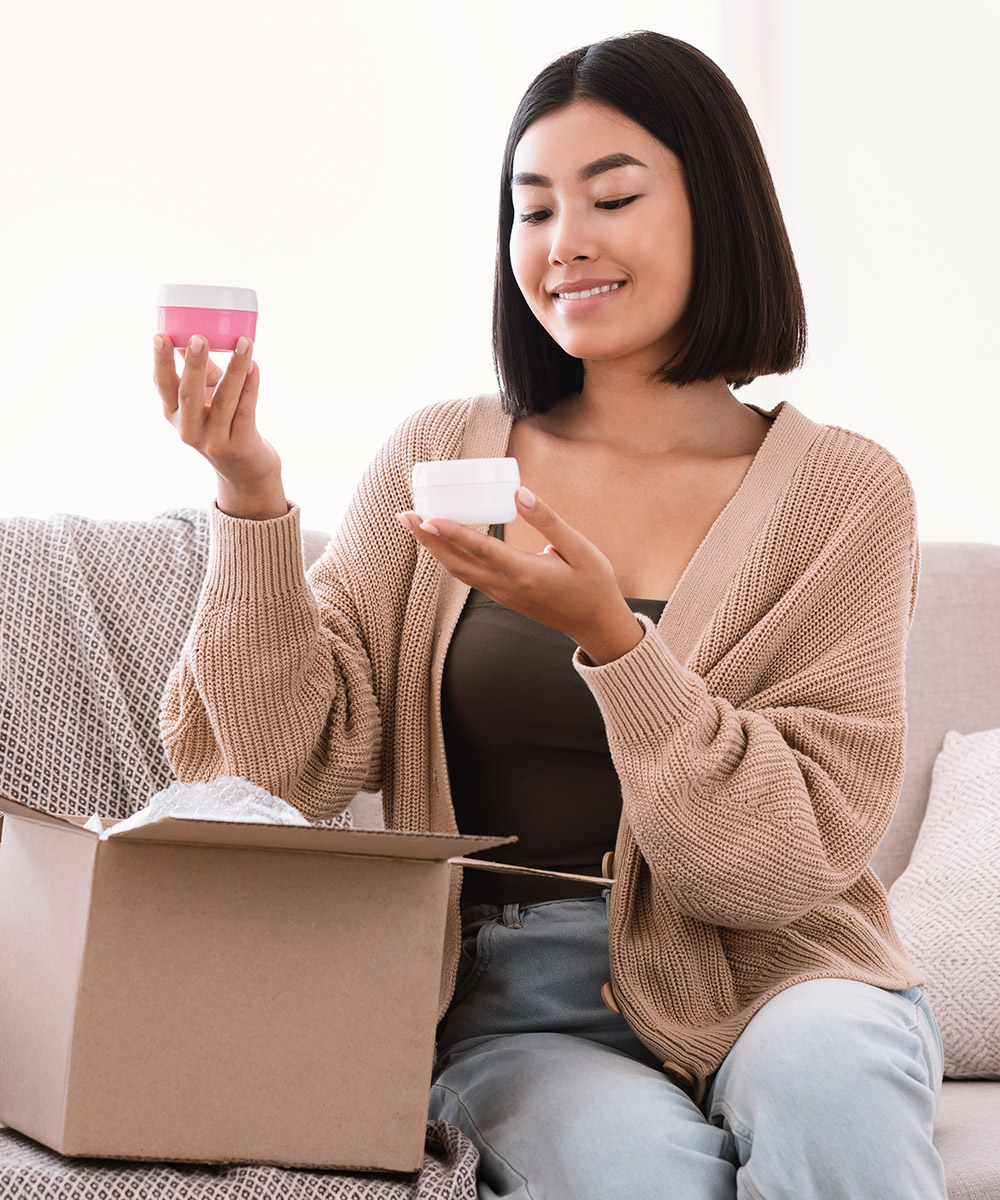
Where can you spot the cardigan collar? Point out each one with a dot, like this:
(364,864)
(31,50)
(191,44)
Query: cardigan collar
(705,579)
(722,550)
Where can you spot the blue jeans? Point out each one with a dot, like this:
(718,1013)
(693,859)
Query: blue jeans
(828,1094)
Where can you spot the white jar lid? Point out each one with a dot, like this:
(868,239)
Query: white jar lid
(203,295)
(466,470)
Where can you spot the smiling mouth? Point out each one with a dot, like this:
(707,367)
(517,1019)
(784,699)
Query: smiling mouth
(608,287)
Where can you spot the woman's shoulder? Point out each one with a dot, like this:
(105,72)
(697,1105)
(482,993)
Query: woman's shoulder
(854,463)
(437,430)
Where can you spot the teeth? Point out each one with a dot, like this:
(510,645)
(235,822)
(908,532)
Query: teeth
(608,287)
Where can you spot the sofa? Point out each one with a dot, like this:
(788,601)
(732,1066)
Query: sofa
(952,690)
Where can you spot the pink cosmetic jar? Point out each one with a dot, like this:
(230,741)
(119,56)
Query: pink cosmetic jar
(221,314)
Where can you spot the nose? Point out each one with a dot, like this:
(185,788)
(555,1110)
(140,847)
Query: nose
(572,239)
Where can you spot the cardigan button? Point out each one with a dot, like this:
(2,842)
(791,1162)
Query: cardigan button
(608,865)
(608,996)
(673,1068)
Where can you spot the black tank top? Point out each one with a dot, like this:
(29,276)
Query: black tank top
(527,751)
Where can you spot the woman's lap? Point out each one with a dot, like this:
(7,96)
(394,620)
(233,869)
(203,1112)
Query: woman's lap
(831,1087)
(557,1116)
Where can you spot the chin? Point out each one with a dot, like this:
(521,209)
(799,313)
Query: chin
(595,349)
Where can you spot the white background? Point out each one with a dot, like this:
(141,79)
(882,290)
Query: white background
(343,159)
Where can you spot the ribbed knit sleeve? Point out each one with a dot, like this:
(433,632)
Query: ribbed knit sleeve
(750,814)
(278,680)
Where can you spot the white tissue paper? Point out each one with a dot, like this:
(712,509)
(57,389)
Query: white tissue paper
(228,798)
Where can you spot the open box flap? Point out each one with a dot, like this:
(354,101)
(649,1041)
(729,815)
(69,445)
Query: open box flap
(384,843)
(482,864)
(15,809)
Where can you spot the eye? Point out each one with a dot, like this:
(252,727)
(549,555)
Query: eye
(535,218)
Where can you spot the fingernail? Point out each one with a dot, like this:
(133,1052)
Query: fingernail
(527,498)
(403,520)
(158,343)
(241,346)
(427,527)
(194,345)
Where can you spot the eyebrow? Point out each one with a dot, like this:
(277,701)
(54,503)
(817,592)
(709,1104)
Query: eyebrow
(597,167)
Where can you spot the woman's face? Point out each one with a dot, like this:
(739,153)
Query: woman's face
(582,219)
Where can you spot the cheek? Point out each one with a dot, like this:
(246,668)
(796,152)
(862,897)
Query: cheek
(519,257)
(681,234)
(672,247)
(527,266)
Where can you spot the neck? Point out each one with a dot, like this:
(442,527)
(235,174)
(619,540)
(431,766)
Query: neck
(623,413)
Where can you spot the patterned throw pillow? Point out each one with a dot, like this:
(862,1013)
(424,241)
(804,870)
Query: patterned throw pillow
(946,904)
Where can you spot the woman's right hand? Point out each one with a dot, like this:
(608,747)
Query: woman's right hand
(213,411)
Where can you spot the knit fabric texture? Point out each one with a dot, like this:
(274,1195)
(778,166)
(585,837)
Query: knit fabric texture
(93,614)
(758,729)
(30,1171)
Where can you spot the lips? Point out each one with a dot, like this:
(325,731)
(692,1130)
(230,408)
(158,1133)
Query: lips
(583,285)
(583,305)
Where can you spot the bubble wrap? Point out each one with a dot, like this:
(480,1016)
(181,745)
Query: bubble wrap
(228,798)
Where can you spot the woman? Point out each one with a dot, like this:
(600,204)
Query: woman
(688,646)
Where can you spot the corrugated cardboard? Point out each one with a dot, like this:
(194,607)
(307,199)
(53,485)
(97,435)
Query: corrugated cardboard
(209,991)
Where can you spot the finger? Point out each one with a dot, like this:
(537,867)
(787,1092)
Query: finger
(244,416)
(230,388)
(191,389)
(564,539)
(213,371)
(494,553)
(449,547)
(463,537)
(165,374)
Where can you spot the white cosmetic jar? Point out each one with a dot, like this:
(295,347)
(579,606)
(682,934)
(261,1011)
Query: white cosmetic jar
(471,491)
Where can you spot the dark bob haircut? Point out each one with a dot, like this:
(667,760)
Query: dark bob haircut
(745,316)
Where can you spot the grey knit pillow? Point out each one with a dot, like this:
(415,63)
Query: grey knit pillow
(946,904)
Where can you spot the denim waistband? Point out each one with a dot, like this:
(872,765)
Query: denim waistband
(511,914)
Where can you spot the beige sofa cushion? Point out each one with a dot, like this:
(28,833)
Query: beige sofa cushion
(946,904)
(968,1118)
(952,675)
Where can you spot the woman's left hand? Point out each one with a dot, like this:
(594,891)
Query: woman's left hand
(569,586)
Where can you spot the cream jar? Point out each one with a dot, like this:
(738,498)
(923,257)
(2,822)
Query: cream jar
(471,491)
(220,314)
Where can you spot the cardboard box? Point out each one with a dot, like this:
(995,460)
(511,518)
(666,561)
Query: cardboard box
(208,991)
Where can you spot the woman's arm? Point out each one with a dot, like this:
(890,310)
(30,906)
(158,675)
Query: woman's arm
(276,682)
(751,814)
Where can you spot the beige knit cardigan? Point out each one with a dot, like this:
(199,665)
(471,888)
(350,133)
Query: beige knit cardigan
(758,729)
